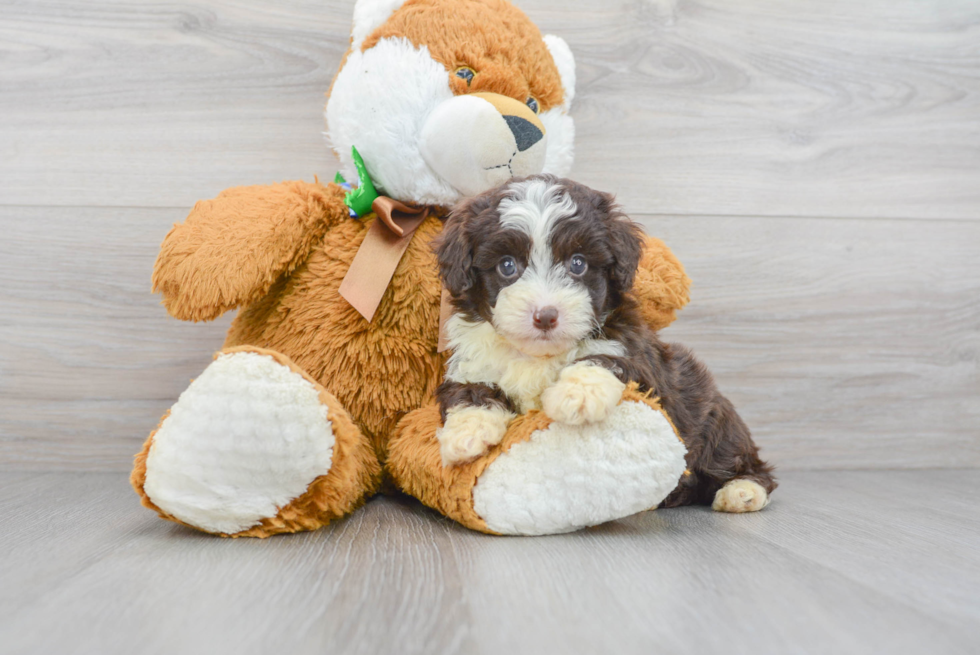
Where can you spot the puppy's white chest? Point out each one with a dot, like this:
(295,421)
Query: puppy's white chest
(521,377)
(481,356)
(525,379)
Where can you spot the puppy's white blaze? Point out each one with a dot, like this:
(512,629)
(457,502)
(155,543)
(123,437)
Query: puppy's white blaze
(534,207)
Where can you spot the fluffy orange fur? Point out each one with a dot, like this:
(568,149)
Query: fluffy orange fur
(661,286)
(232,249)
(492,37)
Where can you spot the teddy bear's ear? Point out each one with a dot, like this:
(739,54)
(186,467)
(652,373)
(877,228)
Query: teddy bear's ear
(565,62)
(369,15)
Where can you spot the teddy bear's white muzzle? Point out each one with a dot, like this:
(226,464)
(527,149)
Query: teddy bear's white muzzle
(479,141)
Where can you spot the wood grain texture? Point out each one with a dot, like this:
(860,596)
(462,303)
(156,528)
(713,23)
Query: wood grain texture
(844,343)
(733,131)
(815,165)
(841,562)
(706,107)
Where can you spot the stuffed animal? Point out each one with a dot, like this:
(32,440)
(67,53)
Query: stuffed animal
(323,391)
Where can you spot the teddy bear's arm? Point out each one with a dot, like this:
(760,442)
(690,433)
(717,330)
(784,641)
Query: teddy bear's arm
(232,249)
(661,286)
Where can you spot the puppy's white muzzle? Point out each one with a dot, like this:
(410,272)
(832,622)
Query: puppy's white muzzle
(479,141)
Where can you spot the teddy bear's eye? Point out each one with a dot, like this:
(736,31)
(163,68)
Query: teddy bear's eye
(577,265)
(532,103)
(465,73)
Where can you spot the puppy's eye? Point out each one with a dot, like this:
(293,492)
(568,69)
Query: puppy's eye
(577,265)
(465,73)
(507,267)
(532,103)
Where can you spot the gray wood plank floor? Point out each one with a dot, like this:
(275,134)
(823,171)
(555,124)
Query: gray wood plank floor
(840,562)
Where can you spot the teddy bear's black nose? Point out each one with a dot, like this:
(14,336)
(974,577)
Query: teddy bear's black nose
(525,132)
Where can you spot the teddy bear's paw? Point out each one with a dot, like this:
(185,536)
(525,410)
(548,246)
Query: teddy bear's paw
(584,393)
(248,436)
(566,477)
(470,431)
(740,495)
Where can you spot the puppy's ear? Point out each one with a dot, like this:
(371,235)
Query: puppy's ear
(625,241)
(454,250)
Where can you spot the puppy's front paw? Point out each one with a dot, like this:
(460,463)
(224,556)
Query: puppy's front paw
(470,431)
(740,495)
(584,393)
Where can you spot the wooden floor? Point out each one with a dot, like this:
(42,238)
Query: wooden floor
(848,562)
(815,165)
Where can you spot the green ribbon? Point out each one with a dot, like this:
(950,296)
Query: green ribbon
(360,199)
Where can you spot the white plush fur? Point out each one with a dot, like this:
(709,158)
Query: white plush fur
(482,355)
(469,431)
(383,98)
(467,142)
(565,62)
(584,393)
(369,15)
(560,130)
(380,102)
(246,438)
(569,477)
(740,495)
(560,126)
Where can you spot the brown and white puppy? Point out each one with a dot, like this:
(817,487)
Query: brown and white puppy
(540,271)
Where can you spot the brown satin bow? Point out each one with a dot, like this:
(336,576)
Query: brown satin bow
(377,258)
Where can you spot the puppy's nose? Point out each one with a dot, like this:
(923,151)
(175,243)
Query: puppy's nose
(546,318)
(525,132)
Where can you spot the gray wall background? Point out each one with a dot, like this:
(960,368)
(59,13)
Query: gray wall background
(816,166)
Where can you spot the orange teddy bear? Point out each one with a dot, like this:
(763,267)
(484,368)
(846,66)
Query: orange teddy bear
(323,389)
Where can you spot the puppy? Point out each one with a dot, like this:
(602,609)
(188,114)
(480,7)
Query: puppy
(539,271)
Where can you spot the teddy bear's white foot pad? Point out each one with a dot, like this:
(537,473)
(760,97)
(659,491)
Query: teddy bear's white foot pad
(247,437)
(568,477)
